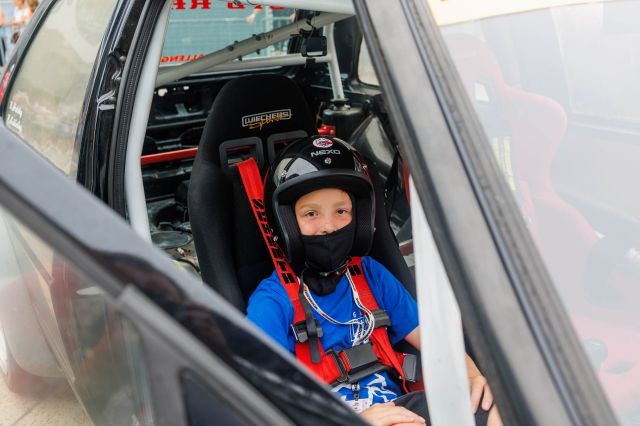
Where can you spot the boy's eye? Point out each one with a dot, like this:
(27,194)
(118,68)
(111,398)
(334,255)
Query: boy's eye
(310,214)
(343,212)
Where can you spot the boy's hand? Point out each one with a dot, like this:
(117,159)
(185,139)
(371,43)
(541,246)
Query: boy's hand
(479,387)
(387,414)
(480,392)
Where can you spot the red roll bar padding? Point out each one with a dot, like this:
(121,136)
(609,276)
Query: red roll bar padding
(162,157)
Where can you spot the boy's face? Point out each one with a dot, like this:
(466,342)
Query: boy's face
(323,211)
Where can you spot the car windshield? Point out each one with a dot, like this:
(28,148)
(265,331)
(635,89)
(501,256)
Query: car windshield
(198,28)
(556,90)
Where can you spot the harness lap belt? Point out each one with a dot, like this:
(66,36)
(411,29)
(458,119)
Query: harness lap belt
(349,365)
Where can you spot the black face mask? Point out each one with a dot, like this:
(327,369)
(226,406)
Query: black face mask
(326,257)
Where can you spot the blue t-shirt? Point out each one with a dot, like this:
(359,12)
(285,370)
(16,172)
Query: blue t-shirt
(271,310)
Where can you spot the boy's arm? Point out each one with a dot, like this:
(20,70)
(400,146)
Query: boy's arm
(414,338)
(270,309)
(477,382)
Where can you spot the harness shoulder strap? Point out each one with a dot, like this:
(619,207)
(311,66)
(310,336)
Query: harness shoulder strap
(253,187)
(310,352)
(379,337)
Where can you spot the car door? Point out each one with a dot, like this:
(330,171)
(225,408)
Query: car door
(519,328)
(43,94)
(48,94)
(61,85)
(152,345)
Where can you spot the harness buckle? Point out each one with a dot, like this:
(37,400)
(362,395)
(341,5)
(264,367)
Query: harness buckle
(358,358)
(356,363)
(411,368)
(344,377)
(300,332)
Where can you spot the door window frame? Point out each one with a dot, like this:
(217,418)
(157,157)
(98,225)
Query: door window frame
(526,348)
(148,290)
(42,211)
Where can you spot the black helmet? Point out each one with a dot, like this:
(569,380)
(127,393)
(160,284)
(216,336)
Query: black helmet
(314,163)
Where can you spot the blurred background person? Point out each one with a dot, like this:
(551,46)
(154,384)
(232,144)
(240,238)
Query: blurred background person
(21,15)
(33,5)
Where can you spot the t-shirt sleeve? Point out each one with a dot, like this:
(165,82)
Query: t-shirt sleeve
(394,298)
(270,309)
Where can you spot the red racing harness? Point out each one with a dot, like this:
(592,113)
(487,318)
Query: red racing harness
(349,365)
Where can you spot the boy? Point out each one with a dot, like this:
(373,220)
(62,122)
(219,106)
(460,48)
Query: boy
(319,201)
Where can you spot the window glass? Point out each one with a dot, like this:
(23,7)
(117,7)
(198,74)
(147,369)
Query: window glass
(202,404)
(46,98)
(607,36)
(366,73)
(55,321)
(197,28)
(556,91)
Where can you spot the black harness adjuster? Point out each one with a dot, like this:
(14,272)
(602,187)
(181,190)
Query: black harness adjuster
(344,377)
(301,333)
(381,318)
(411,368)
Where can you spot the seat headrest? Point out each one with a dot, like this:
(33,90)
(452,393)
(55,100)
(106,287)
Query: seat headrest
(254,106)
(474,59)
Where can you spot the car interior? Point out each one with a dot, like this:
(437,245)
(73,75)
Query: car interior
(203,85)
(190,200)
(194,207)
(239,90)
(198,128)
(225,81)
(187,195)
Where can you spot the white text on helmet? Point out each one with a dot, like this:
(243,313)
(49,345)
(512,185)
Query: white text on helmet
(325,152)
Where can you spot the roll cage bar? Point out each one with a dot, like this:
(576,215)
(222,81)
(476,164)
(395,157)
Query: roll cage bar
(228,59)
(238,49)
(334,6)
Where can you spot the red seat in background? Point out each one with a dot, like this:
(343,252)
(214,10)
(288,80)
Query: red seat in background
(525,130)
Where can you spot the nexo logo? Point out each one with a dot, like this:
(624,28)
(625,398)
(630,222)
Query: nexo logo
(323,143)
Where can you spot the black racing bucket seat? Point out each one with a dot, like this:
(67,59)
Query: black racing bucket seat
(254,116)
(247,113)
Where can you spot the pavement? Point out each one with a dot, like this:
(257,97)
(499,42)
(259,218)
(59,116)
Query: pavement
(57,405)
